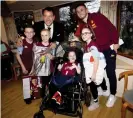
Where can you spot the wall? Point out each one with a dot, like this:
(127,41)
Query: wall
(122,64)
(10,28)
(3,31)
(109,9)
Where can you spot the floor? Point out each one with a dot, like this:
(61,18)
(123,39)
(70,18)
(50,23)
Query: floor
(13,106)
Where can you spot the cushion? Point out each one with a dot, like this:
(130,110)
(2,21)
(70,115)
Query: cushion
(128,96)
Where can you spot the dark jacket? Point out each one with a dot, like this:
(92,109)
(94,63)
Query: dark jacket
(58,31)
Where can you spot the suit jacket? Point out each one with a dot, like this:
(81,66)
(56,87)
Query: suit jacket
(58,31)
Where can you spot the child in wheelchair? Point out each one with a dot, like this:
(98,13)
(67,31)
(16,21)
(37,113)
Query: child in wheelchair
(66,76)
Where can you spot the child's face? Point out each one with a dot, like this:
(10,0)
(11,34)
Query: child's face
(45,35)
(86,34)
(72,57)
(29,33)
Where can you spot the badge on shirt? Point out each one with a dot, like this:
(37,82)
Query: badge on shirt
(58,34)
(25,46)
(93,24)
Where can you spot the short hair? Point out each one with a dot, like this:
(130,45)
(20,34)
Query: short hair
(45,30)
(71,49)
(48,9)
(29,26)
(79,4)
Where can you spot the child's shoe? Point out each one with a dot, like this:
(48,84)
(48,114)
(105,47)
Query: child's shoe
(55,96)
(59,100)
(93,106)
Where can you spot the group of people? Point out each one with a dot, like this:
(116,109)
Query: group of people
(101,39)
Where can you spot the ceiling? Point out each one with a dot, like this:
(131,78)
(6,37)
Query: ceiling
(33,5)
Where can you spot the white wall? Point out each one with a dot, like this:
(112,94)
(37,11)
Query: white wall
(122,64)
(3,35)
(125,65)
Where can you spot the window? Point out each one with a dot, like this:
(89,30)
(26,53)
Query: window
(64,13)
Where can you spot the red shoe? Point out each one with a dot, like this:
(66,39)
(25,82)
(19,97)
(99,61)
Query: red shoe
(58,100)
(56,95)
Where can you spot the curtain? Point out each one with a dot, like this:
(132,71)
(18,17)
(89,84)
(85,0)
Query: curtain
(10,28)
(109,9)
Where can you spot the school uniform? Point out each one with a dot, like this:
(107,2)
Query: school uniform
(27,55)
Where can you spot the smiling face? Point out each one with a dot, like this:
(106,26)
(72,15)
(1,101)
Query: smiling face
(82,12)
(72,56)
(29,33)
(48,17)
(45,35)
(86,34)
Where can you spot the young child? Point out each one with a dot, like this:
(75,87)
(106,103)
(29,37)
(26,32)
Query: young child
(24,54)
(20,47)
(68,70)
(94,64)
(43,55)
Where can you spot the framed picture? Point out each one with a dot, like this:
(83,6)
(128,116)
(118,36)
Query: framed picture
(125,26)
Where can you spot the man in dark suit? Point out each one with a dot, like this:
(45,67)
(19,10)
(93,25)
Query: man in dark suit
(56,28)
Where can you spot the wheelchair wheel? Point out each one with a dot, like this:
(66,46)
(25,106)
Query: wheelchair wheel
(80,110)
(39,115)
(87,98)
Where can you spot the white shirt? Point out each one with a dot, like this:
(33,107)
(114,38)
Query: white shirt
(51,30)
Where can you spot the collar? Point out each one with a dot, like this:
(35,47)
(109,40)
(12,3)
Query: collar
(51,26)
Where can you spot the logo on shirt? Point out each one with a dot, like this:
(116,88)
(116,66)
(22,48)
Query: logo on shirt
(93,24)
(58,35)
(25,47)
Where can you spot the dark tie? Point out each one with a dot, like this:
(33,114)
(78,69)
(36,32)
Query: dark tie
(49,28)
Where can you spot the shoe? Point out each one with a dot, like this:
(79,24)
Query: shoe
(93,106)
(58,100)
(55,96)
(28,101)
(111,101)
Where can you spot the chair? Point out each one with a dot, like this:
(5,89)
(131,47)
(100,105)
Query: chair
(127,98)
(14,67)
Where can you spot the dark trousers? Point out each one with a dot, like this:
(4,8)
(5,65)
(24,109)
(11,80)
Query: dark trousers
(110,56)
(6,69)
(93,89)
(53,89)
(45,81)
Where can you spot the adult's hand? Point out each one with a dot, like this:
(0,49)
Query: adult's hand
(115,47)
(53,45)
(24,70)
